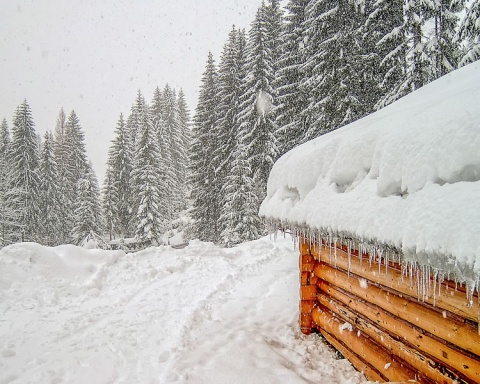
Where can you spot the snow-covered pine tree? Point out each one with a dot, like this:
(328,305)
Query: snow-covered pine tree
(469,32)
(49,198)
(231,75)
(177,151)
(118,190)
(160,112)
(385,28)
(183,114)
(291,96)
(110,204)
(257,121)
(61,150)
(8,214)
(24,176)
(134,120)
(321,47)
(441,45)
(202,173)
(88,214)
(148,186)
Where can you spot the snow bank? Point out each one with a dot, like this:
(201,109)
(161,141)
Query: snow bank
(201,314)
(407,176)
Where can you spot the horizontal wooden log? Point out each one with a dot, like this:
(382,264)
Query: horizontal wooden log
(364,348)
(450,300)
(456,361)
(461,335)
(361,366)
(308,292)
(396,347)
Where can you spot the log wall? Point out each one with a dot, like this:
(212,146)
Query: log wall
(384,322)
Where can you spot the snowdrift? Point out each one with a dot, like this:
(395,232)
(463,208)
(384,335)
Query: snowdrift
(201,314)
(406,178)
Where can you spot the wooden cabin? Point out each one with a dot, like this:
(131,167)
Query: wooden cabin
(393,323)
(386,213)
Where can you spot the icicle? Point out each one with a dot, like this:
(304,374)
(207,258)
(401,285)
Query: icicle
(435,276)
(387,256)
(335,251)
(349,244)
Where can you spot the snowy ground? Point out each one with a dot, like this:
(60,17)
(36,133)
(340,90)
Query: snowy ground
(195,315)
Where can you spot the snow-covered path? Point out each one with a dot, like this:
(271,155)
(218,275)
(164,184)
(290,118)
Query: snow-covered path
(197,315)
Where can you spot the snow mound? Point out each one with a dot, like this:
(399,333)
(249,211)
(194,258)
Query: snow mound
(407,176)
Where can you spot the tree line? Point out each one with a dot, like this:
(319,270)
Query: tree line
(301,72)
(49,192)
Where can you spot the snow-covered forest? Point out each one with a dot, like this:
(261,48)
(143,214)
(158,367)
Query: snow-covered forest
(298,72)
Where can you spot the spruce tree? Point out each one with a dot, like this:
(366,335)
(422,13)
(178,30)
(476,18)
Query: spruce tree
(231,78)
(25,178)
(257,119)
(292,97)
(109,203)
(88,215)
(61,153)
(162,120)
(8,214)
(184,142)
(386,28)
(441,45)
(118,190)
(49,194)
(202,174)
(148,187)
(469,32)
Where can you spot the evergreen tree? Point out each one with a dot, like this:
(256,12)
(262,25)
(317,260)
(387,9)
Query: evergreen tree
(442,47)
(386,27)
(49,194)
(118,191)
(205,191)
(257,120)
(183,114)
(8,214)
(163,120)
(230,84)
(469,32)
(148,186)
(25,179)
(61,153)
(109,203)
(88,215)
(292,97)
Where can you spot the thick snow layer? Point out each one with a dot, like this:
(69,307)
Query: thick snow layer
(196,315)
(407,175)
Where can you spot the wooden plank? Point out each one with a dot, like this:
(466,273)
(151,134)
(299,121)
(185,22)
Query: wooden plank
(398,348)
(384,363)
(450,300)
(464,365)
(461,335)
(361,366)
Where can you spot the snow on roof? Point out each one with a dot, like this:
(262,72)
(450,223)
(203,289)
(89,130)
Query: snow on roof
(407,176)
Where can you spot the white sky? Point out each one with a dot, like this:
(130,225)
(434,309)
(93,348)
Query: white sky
(92,56)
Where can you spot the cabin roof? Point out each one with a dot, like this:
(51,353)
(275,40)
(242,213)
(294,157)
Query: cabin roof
(407,176)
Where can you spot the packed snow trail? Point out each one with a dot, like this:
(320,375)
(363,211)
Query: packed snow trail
(196,315)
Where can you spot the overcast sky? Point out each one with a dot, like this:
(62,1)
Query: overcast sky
(93,55)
